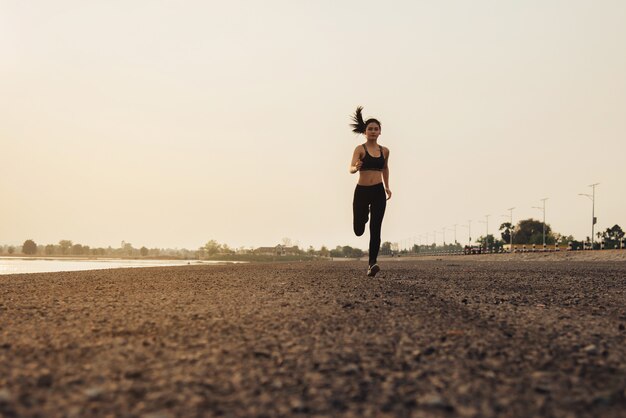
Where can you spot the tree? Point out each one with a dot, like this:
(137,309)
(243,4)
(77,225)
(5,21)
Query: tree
(530,231)
(324,251)
(491,242)
(77,249)
(612,236)
(357,253)
(127,247)
(143,251)
(11,250)
(49,250)
(385,248)
(65,245)
(212,247)
(337,252)
(506,229)
(564,240)
(29,247)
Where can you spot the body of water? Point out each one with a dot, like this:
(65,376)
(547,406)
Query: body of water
(18,265)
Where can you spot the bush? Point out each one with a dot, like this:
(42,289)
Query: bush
(29,247)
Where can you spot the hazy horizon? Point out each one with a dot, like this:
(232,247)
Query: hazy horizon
(167,125)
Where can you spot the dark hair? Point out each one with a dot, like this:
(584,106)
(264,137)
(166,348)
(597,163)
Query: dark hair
(359,126)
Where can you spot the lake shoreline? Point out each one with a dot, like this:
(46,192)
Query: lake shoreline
(32,265)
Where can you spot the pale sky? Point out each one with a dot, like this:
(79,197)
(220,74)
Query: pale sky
(167,124)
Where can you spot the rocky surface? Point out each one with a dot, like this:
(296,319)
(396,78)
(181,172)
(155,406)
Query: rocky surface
(424,338)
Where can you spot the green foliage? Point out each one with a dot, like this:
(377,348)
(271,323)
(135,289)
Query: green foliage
(29,247)
(212,247)
(530,231)
(65,245)
(346,252)
(563,240)
(506,229)
(77,249)
(612,236)
(127,248)
(260,258)
(491,242)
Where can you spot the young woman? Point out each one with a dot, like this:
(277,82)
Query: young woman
(371,161)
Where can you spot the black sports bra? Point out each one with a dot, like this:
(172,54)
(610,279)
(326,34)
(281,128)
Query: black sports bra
(373,163)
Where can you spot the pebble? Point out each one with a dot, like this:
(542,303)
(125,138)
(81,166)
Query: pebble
(432,400)
(5,396)
(94,392)
(45,380)
(156,415)
(591,349)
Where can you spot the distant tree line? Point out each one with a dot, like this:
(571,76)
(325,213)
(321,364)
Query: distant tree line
(69,248)
(530,231)
(346,252)
(527,231)
(211,249)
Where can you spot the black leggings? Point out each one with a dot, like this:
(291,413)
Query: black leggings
(369,199)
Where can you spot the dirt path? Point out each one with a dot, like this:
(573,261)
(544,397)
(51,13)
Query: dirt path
(425,338)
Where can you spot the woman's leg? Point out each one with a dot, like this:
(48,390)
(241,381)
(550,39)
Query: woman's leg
(377,208)
(360,210)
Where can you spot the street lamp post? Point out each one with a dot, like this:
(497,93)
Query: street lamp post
(469,232)
(511,229)
(487,230)
(593,209)
(544,218)
(486,222)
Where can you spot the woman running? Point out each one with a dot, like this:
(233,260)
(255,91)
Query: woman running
(372,191)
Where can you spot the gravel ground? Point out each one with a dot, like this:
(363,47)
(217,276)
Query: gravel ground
(423,339)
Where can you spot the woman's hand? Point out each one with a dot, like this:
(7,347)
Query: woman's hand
(357,162)
(356,167)
(388,191)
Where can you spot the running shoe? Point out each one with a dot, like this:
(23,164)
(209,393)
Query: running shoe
(372,270)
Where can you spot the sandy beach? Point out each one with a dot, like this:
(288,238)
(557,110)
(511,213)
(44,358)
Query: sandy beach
(425,338)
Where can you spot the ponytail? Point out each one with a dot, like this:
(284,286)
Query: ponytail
(359,126)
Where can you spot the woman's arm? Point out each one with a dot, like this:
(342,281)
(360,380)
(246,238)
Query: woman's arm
(386,176)
(356,163)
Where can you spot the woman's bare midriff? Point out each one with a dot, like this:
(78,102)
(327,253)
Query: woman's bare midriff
(370,178)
